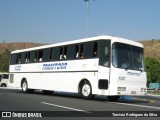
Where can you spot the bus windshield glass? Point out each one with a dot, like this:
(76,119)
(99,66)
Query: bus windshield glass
(127,57)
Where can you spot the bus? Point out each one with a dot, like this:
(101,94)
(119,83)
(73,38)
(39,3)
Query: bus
(101,65)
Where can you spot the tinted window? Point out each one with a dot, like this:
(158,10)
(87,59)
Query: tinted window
(28,57)
(18,59)
(95,49)
(55,54)
(23,57)
(65,53)
(88,49)
(33,56)
(40,56)
(72,51)
(81,51)
(104,54)
(13,58)
(46,54)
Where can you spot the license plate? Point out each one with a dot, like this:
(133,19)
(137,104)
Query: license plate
(133,92)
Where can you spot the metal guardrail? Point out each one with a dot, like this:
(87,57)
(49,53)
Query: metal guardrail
(153,91)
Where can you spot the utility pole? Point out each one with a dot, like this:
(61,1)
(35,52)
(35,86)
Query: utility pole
(87,17)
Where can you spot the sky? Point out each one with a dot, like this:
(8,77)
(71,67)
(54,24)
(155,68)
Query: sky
(54,21)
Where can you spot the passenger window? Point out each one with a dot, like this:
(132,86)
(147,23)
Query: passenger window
(55,54)
(61,53)
(28,57)
(72,51)
(88,50)
(40,55)
(18,60)
(23,58)
(81,53)
(65,53)
(95,49)
(33,56)
(46,54)
(13,59)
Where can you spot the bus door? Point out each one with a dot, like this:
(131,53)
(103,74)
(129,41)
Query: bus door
(104,67)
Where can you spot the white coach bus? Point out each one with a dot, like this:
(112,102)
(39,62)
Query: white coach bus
(102,65)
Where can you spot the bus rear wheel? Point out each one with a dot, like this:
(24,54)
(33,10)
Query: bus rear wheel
(86,91)
(25,87)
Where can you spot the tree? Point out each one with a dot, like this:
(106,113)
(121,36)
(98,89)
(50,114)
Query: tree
(4,61)
(153,70)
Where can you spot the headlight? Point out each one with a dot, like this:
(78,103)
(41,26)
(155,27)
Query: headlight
(121,88)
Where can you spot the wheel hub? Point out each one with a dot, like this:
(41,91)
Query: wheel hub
(86,90)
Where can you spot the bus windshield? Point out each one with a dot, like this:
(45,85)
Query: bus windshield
(127,57)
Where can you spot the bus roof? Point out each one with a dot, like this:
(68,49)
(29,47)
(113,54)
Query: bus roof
(113,39)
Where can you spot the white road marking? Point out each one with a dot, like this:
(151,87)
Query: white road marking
(144,106)
(69,108)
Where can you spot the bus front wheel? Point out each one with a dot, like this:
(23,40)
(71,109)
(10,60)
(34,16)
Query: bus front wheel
(86,90)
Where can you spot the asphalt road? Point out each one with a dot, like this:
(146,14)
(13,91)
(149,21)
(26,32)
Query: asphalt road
(68,105)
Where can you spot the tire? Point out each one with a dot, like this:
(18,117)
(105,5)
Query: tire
(25,87)
(86,91)
(113,98)
(3,85)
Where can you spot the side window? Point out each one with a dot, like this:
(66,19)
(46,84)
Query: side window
(55,54)
(40,56)
(81,51)
(95,50)
(63,53)
(13,59)
(33,56)
(46,54)
(18,59)
(72,51)
(88,49)
(105,54)
(28,57)
(23,57)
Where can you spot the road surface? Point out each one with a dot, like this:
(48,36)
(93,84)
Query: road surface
(57,105)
